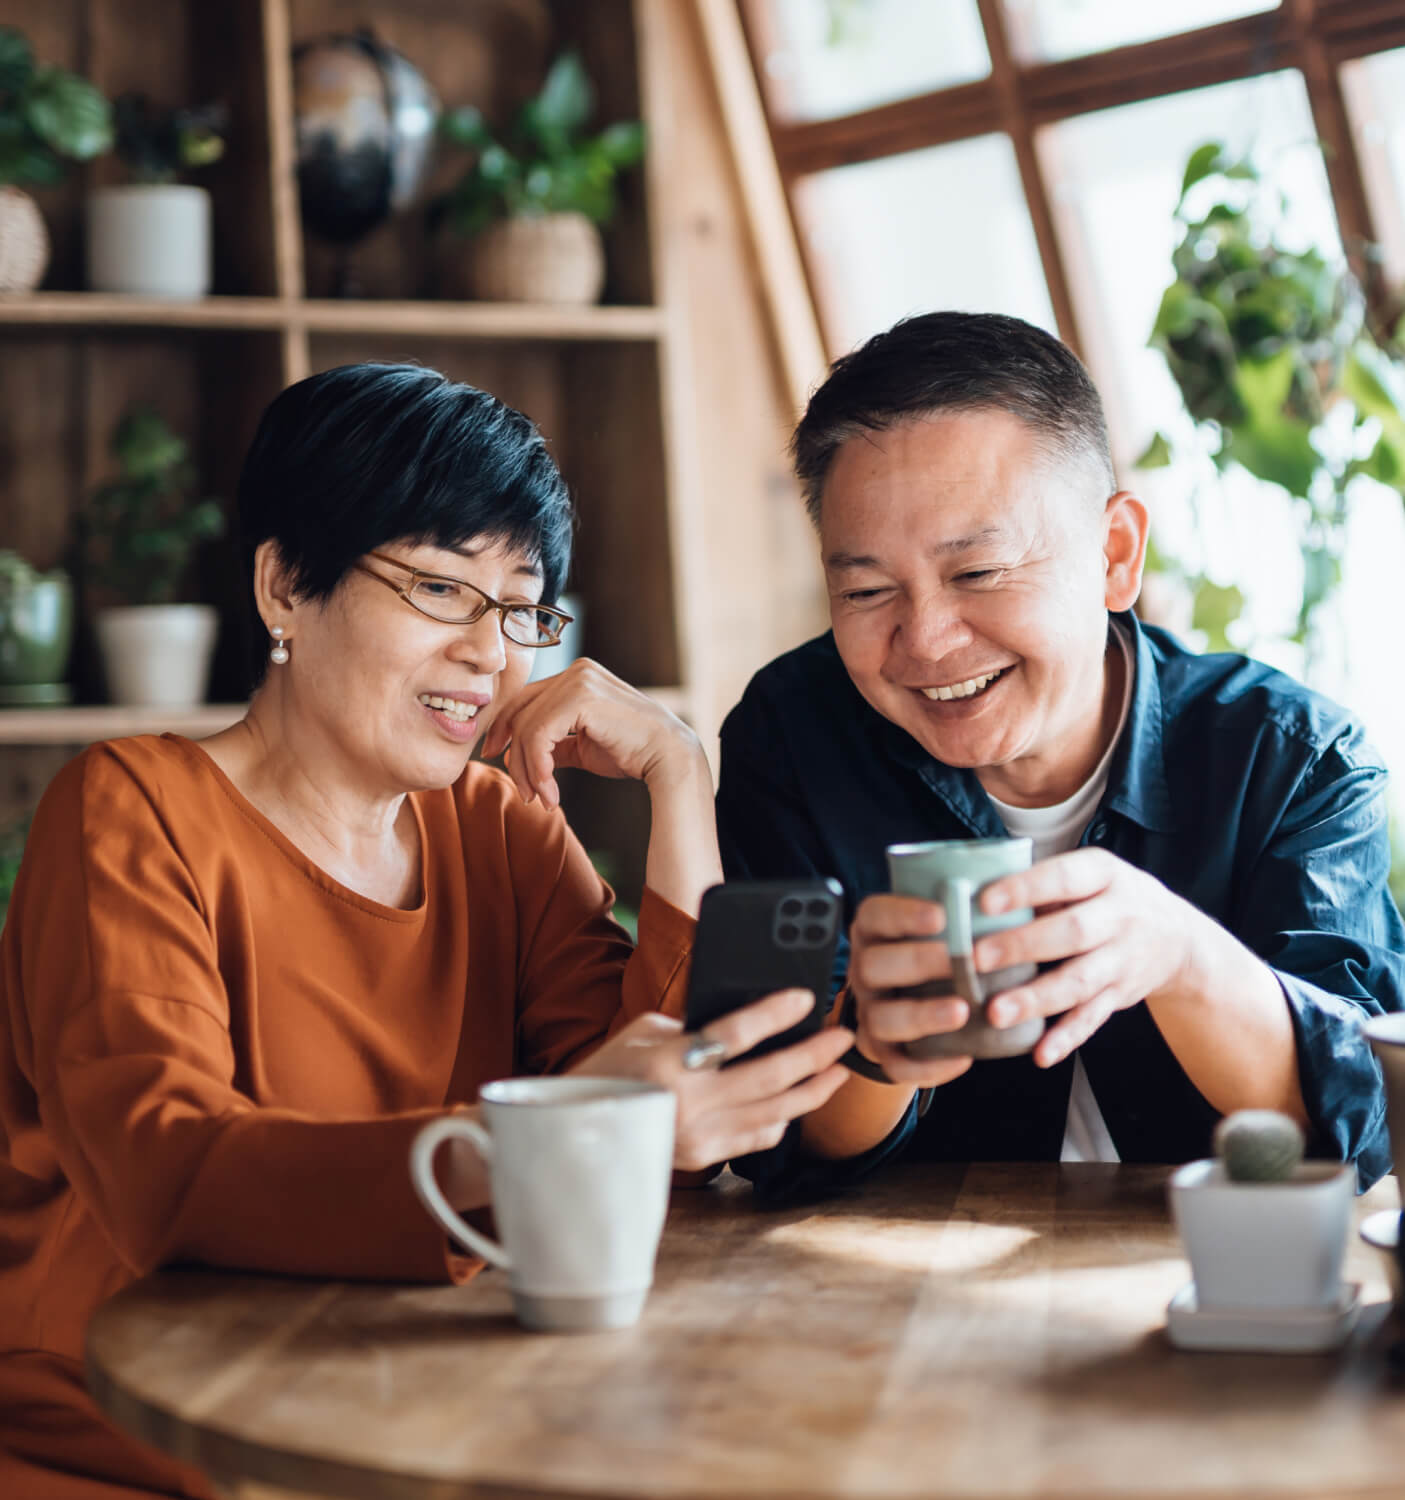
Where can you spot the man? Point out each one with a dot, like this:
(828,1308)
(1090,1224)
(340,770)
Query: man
(1211,852)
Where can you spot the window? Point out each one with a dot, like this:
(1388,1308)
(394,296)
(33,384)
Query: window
(1048,30)
(1034,170)
(945,227)
(821,60)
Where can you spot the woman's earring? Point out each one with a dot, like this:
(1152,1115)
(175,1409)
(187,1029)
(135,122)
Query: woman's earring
(279,654)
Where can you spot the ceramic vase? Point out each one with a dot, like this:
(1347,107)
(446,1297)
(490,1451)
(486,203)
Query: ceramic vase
(150,240)
(157,655)
(24,242)
(557,258)
(36,630)
(1264,1244)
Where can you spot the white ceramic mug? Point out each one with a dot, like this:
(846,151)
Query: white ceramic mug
(580,1170)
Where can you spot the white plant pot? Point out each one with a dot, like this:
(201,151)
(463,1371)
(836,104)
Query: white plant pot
(150,240)
(158,655)
(553,659)
(1264,1244)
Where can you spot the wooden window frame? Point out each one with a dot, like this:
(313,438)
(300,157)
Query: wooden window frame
(1315,37)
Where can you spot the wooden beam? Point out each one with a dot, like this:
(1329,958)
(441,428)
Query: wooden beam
(954,114)
(785,287)
(1049,92)
(1149,70)
(1016,122)
(1339,150)
(1356,28)
(282,148)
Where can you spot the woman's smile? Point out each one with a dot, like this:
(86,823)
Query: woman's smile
(455,715)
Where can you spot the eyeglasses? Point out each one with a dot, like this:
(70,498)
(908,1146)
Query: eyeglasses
(456,602)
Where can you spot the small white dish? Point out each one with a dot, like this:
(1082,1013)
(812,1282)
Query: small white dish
(1276,1330)
(1383,1231)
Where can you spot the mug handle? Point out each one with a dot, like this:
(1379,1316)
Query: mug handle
(422,1149)
(958,894)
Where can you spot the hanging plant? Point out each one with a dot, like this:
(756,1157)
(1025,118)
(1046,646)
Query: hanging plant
(1269,348)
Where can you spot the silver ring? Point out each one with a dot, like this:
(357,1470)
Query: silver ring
(706,1052)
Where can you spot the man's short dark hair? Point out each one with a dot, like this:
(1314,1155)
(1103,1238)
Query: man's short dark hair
(348,460)
(952,362)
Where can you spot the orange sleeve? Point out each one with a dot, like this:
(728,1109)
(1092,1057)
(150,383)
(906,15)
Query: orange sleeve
(123,1028)
(579,978)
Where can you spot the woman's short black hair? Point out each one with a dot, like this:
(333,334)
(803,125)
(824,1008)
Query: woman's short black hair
(953,362)
(348,460)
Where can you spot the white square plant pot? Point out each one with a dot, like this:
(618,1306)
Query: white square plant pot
(1264,1244)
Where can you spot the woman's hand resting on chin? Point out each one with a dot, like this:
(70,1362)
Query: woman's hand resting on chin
(588,718)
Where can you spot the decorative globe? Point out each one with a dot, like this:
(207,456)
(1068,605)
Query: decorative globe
(366,122)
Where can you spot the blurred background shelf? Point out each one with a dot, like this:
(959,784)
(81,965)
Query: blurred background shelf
(418,318)
(694,562)
(84,724)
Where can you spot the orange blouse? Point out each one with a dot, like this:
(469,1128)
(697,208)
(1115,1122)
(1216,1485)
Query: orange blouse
(212,1051)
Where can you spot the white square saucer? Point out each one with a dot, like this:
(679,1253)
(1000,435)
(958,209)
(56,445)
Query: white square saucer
(1279,1330)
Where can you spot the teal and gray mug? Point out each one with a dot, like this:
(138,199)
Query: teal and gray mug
(954,872)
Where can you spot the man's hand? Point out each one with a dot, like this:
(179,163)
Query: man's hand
(891,947)
(1116,933)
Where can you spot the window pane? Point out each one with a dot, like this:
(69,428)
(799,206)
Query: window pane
(823,58)
(1114,180)
(1375,97)
(900,235)
(1046,30)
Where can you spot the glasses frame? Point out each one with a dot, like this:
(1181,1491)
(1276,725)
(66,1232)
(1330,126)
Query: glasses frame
(489,603)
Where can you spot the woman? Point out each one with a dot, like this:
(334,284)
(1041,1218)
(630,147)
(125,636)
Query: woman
(239,975)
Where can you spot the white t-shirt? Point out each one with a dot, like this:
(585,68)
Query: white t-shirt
(1055,830)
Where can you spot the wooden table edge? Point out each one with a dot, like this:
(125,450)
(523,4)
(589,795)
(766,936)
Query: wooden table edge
(230,1461)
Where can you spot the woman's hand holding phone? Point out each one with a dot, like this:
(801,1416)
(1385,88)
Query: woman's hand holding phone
(732,1111)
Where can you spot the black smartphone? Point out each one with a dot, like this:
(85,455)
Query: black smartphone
(758,936)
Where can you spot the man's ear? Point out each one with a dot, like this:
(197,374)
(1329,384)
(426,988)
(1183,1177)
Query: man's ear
(273,587)
(1125,530)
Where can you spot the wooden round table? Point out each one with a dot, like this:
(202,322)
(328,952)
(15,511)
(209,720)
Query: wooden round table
(981,1332)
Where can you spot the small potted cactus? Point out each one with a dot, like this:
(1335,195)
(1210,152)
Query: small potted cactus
(1262,1227)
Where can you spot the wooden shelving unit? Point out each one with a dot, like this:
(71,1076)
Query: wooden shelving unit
(609,385)
(419,319)
(106,721)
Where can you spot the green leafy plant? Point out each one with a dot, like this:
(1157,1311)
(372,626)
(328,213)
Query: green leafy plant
(12,838)
(46,114)
(544,164)
(1270,350)
(157,145)
(607,870)
(140,529)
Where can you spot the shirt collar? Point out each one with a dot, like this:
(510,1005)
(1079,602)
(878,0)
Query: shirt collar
(1137,786)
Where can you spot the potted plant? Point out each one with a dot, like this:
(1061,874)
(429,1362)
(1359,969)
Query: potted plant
(1262,1228)
(532,202)
(139,532)
(46,114)
(36,629)
(151,237)
(1270,349)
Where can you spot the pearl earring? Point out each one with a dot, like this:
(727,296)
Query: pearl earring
(279,654)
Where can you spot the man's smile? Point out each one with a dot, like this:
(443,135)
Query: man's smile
(967,689)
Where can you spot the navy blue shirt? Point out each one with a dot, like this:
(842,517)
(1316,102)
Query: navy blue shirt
(1236,787)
